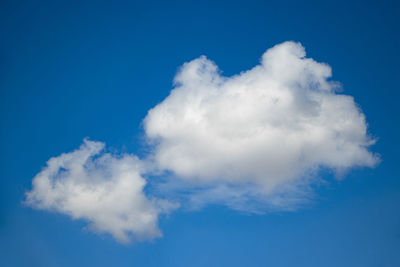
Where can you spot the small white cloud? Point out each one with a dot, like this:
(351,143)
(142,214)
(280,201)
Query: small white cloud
(271,127)
(105,190)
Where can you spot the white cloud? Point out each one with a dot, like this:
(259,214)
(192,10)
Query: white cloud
(103,189)
(254,142)
(271,127)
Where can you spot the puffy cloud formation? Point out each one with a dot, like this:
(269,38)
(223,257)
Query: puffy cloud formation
(105,190)
(254,141)
(271,126)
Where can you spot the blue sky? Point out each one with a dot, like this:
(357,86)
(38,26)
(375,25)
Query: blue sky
(70,70)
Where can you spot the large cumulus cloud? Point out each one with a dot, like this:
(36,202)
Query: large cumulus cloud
(270,126)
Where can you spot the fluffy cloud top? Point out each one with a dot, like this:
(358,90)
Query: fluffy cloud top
(260,136)
(105,190)
(270,126)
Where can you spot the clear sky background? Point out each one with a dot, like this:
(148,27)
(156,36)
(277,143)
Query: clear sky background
(76,69)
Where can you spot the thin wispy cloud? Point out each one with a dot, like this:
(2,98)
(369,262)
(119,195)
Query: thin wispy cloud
(254,141)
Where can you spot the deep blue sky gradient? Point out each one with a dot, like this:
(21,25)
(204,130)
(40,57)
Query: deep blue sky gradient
(75,69)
